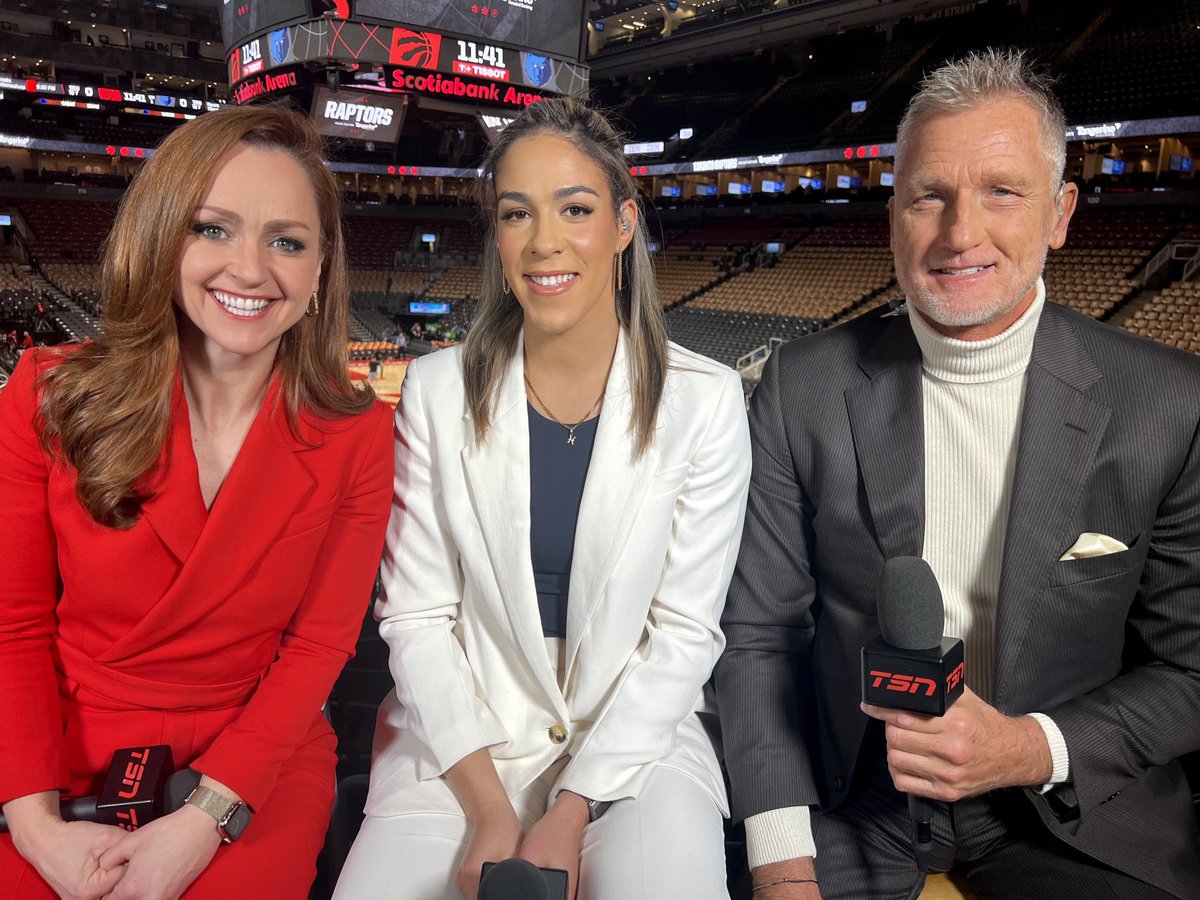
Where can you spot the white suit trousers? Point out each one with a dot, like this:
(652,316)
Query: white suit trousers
(668,843)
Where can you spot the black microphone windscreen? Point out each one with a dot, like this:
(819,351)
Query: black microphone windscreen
(909,604)
(513,879)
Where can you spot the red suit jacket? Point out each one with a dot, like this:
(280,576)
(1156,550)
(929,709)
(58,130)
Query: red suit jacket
(219,632)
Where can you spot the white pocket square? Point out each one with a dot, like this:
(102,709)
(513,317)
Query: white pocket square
(1092,544)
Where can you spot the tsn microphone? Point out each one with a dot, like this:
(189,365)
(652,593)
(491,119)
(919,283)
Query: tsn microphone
(912,666)
(133,792)
(519,879)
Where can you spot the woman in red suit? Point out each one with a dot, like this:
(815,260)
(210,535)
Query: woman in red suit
(192,509)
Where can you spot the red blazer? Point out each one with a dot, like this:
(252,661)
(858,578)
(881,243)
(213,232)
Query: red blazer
(250,610)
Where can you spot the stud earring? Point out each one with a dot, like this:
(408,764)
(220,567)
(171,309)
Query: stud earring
(314,306)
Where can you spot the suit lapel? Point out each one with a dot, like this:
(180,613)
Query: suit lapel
(616,484)
(1061,430)
(886,424)
(261,492)
(497,475)
(175,510)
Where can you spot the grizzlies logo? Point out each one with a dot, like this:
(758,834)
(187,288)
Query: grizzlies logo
(280,43)
(538,69)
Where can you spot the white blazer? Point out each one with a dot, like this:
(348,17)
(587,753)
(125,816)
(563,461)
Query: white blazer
(655,545)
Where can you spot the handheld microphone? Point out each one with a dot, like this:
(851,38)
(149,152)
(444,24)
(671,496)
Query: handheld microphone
(519,879)
(133,792)
(912,666)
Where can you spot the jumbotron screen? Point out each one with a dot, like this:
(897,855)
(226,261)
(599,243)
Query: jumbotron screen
(548,26)
(358,116)
(241,19)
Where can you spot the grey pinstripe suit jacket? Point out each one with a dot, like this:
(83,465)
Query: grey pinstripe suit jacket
(1108,647)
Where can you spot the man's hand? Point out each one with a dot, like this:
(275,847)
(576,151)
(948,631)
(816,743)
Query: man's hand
(792,879)
(970,750)
(554,841)
(163,858)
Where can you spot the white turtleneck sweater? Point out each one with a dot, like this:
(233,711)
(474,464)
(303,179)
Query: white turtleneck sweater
(972,396)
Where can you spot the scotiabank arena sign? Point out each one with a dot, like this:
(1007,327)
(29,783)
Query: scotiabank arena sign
(454,87)
(266,84)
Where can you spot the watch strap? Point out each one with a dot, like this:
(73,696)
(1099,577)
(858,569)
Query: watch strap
(231,815)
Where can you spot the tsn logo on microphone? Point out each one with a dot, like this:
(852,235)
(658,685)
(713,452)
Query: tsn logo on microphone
(131,784)
(912,684)
(920,681)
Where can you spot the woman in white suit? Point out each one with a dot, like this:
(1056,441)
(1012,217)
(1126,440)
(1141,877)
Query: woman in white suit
(569,499)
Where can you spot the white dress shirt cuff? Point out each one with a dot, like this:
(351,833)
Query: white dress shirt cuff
(779,834)
(1060,764)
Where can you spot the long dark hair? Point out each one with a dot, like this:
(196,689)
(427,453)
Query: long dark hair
(492,340)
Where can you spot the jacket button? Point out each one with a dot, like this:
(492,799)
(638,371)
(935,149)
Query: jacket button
(838,784)
(558,733)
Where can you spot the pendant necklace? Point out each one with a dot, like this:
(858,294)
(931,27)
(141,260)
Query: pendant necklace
(556,419)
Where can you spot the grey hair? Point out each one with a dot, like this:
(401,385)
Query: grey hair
(492,340)
(984,75)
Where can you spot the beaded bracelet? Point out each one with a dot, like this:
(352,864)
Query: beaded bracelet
(759,887)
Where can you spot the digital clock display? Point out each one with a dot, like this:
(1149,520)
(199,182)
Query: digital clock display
(481,61)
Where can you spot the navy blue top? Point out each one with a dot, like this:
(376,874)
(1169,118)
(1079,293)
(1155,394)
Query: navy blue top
(557,471)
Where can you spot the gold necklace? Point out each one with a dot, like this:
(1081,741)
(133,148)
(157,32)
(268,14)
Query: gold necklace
(556,419)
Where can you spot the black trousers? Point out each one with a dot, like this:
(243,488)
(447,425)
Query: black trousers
(997,842)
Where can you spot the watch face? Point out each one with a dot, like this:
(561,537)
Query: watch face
(237,822)
(597,808)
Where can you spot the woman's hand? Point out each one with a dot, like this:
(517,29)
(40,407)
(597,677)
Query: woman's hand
(163,858)
(554,841)
(66,854)
(496,830)
(496,835)
(68,857)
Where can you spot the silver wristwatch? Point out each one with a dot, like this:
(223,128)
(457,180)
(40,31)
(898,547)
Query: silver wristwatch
(232,816)
(596,808)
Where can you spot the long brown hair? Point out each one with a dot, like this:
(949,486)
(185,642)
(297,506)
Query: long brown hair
(492,340)
(106,409)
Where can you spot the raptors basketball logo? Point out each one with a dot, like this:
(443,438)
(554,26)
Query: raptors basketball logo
(415,49)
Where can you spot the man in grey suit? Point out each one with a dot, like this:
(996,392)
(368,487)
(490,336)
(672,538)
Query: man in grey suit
(1047,467)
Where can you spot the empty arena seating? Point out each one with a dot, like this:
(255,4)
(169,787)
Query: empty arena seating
(1093,281)
(1172,317)
(1151,46)
(702,97)
(382,283)
(681,275)
(373,241)
(797,101)
(79,281)
(724,335)
(814,282)
(463,283)
(67,230)
(1140,229)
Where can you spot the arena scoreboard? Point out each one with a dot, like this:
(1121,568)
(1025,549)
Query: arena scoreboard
(505,53)
(553,27)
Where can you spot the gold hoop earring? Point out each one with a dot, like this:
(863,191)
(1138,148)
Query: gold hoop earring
(620,273)
(314,306)
(505,285)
